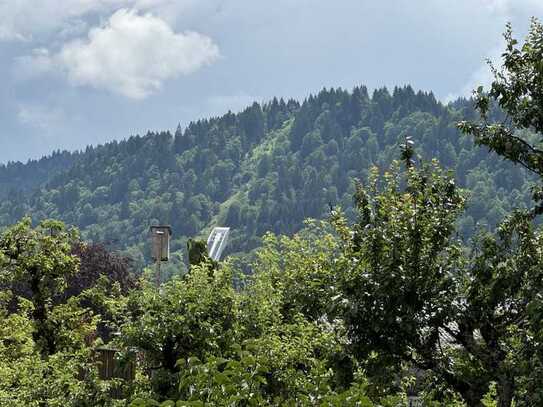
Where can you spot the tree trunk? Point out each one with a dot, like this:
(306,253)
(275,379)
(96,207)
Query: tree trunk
(42,334)
(169,356)
(473,399)
(471,392)
(505,390)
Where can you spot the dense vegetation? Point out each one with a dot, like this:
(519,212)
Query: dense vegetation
(379,302)
(265,169)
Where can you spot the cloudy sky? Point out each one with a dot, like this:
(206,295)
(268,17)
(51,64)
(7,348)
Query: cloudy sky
(79,72)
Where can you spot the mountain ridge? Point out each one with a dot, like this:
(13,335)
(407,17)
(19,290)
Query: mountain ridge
(266,168)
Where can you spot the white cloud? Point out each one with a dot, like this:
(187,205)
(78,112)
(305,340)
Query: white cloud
(29,19)
(516,11)
(131,54)
(22,19)
(482,76)
(514,6)
(8,33)
(34,65)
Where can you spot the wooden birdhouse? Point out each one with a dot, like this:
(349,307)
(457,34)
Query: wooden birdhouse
(160,242)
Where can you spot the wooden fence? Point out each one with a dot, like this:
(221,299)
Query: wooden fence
(110,367)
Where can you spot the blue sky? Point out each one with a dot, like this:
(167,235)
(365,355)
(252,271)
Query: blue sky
(79,72)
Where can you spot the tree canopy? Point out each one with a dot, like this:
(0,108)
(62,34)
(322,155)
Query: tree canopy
(266,168)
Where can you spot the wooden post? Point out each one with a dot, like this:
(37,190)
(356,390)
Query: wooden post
(158,273)
(109,368)
(160,247)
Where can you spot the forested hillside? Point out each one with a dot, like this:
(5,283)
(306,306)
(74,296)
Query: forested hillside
(16,177)
(266,168)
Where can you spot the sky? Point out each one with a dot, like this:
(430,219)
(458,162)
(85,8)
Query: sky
(81,72)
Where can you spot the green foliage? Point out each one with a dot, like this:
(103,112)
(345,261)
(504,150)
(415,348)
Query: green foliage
(198,255)
(46,352)
(411,295)
(190,317)
(517,89)
(508,270)
(298,271)
(299,160)
(285,349)
(41,259)
(399,265)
